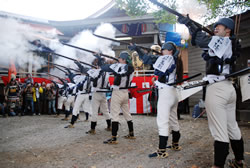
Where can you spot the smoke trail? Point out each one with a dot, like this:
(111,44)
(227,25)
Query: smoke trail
(15,44)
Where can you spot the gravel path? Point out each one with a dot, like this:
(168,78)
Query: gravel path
(43,142)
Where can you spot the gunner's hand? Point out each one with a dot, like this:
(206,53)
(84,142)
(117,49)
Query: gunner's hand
(132,47)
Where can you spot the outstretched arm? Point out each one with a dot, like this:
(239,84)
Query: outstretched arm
(146,58)
(70,75)
(106,68)
(82,68)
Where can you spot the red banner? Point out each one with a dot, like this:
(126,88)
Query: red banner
(141,82)
(22,80)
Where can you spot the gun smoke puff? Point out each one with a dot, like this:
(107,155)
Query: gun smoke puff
(86,39)
(107,30)
(183,31)
(195,10)
(15,44)
(192,7)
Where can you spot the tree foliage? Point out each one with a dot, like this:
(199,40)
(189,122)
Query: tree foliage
(163,16)
(215,8)
(224,8)
(133,7)
(142,7)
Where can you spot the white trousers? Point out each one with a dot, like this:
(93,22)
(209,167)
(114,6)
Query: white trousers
(99,101)
(81,100)
(167,111)
(220,105)
(119,102)
(70,102)
(86,106)
(61,101)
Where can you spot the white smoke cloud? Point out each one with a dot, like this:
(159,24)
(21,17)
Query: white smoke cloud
(196,12)
(195,9)
(106,30)
(15,44)
(183,31)
(58,73)
(87,40)
(16,37)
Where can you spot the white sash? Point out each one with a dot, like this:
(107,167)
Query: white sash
(93,73)
(220,46)
(119,68)
(163,63)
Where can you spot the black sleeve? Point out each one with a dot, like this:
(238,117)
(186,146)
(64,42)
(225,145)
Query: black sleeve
(201,39)
(106,68)
(71,77)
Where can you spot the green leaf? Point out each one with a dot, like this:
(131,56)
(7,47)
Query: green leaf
(216,8)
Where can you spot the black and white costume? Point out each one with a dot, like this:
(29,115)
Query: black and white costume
(123,75)
(82,97)
(71,94)
(100,84)
(220,101)
(165,69)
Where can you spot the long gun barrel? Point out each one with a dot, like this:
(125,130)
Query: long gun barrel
(203,83)
(180,15)
(64,81)
(55,76)
(73,59)
(172,84)
(127,43)
(93,52)
(238,73)
(186,79)
(51,81)
(60,69)
(62,66)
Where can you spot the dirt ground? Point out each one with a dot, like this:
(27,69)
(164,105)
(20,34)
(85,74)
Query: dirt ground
(43,142)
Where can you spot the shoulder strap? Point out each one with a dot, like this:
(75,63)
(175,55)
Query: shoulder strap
(127,81)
